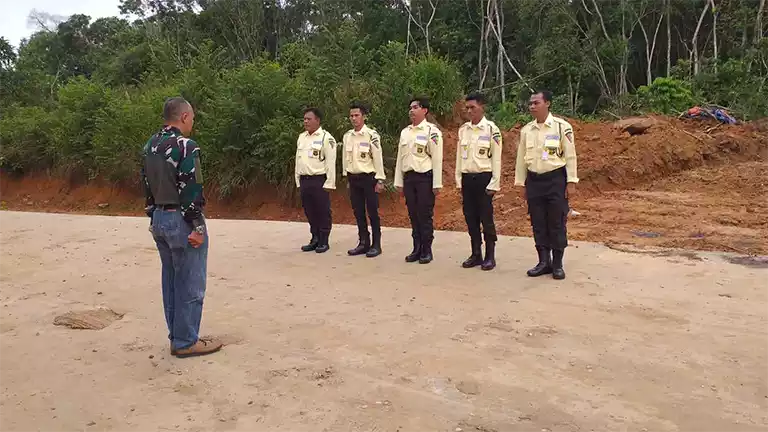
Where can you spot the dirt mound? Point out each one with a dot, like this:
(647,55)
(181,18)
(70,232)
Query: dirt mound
(95,319)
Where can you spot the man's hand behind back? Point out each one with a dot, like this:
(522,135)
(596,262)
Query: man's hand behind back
(195,239)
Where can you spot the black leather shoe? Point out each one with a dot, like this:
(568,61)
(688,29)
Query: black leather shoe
(545,263)
(311,246)
(375,249)
(415,253)
(558,274)
(490,256)
(426,254)
(425,258)
(476,258)
(362,247)
(322,244)
(557,264)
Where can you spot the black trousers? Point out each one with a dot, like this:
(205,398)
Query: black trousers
(478,206)
(548,208)
(362,195)
(420,200)
(317,204)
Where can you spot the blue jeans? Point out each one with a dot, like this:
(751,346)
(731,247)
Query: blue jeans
(183,276)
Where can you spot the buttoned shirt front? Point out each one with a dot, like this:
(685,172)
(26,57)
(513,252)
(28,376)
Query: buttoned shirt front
(546,147)
(362,153)
(479,150)
(316,155)
(420,150)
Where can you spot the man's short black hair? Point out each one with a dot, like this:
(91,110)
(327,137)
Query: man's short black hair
(546,94)
(174,107)
(361,106)
(477,97)
(315,111)
(422,100)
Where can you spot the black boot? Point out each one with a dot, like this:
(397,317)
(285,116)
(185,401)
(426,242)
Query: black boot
(557,264)
(426,253)
(312,244)
(545,263)
(490,256)
(362,246)
(322,243)
(476,258)
(375,249)
(416,253)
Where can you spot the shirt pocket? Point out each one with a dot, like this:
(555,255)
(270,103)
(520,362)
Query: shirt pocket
(315,149)
(530,148)
(364,150)
(420,146)
(552,144)
(483,146)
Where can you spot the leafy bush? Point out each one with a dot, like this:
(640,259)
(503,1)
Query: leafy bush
(666,96)
(26,137)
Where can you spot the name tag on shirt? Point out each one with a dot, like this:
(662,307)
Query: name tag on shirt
(319,142)
(421,139)
(484,138)
(364,145)
(552,141)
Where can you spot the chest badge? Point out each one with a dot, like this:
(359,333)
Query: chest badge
(315,152)
(482,152)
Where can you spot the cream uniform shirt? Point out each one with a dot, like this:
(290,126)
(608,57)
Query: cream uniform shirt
(420,150)
(479,150)
(316,155)
(546,147)
(362,153)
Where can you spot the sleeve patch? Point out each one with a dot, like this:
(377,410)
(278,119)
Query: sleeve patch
(434,138)
(569,135)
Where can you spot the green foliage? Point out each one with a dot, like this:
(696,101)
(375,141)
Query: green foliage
(82,96)
(26,138)
(507,115)
(666,96)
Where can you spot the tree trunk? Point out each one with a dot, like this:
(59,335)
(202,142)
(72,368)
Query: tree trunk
(759,22)
(714,31)
(669,38)
(695,41)
(500,56)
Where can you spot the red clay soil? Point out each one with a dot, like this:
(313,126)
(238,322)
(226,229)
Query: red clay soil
(684,183)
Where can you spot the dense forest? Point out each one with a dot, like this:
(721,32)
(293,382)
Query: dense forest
(80,97)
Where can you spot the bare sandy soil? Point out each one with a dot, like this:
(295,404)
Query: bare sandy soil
(665,341)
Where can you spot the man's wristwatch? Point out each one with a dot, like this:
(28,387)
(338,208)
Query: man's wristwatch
(200,229)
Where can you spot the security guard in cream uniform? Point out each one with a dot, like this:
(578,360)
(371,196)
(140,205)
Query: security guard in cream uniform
(363,165)
(315,176)
(546,163)
(419,176)
(478,175)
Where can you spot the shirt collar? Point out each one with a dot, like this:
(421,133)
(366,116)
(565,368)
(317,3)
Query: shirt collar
(549,121)
(170,129)
(315,133)
(421,125)
(480,125)
(362,130)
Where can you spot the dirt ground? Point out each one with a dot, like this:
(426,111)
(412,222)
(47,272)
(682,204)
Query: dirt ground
(684,183)
(665,341)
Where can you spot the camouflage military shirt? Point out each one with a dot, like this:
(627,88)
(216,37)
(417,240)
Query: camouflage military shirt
(172,175)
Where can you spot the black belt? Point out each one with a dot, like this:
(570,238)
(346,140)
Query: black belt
(547,175)
(349,174)
(305,177)
(484,173)
(167,206)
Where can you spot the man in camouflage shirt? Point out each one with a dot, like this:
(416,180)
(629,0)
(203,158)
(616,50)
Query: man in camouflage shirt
(173,186)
